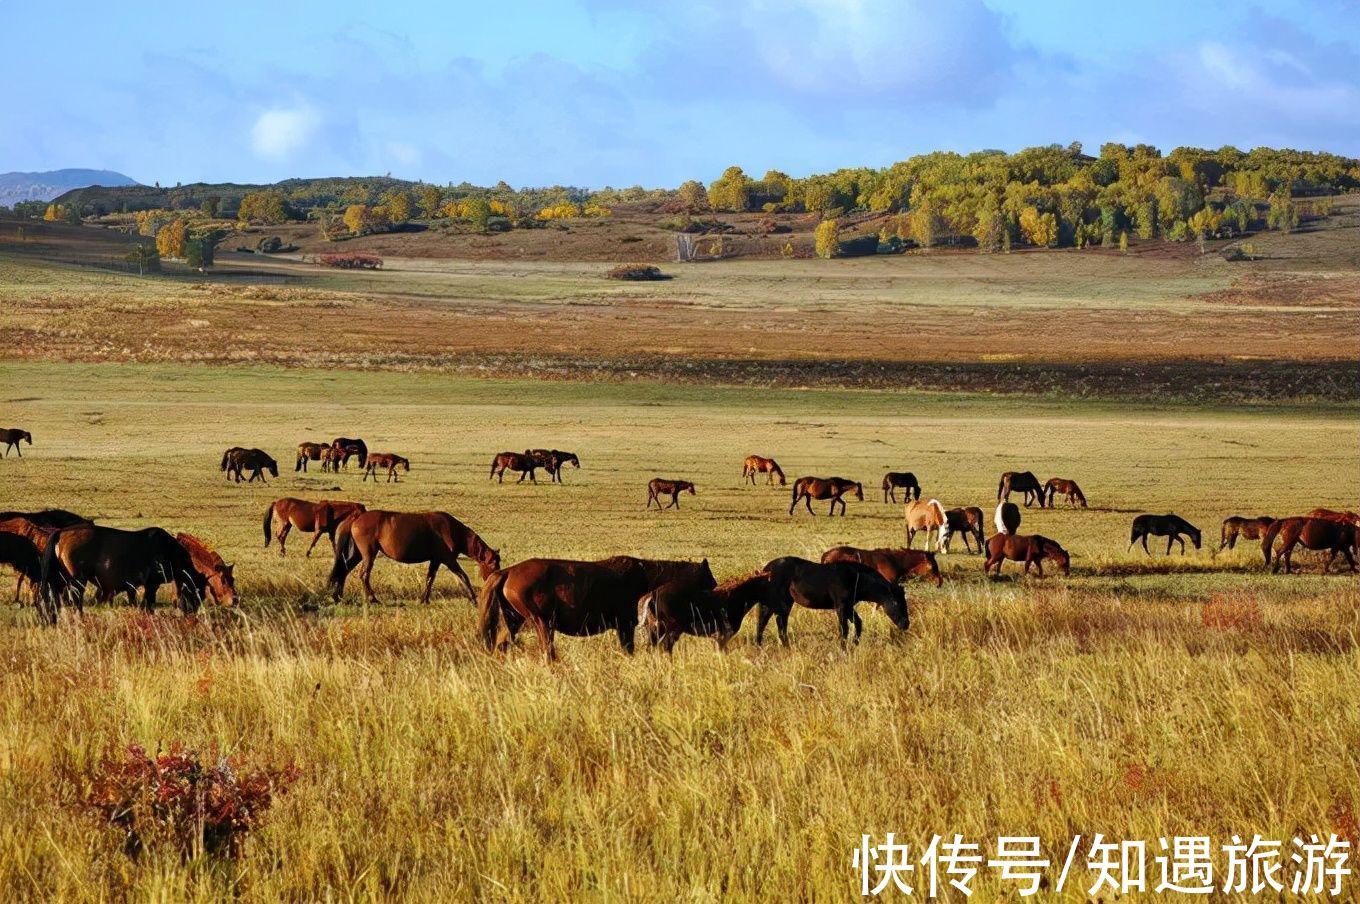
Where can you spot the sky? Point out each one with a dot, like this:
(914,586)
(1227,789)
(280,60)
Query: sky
(622,92)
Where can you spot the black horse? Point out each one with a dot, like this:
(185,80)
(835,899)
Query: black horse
(115,561)
(1169,525)
(838,586)
(900,480)
(552,461)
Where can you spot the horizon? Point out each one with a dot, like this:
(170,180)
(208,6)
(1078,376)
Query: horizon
(599,93)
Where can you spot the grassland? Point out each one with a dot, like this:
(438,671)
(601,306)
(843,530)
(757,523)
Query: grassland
(1141,697)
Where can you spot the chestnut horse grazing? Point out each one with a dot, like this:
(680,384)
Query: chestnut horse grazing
(345,447)
(1323,534)
(1032,550)
(318,518)
(966,521)
(1246,528)
(900,480)
(926,516)
(1020,482)
(1007,518)
(577,598)
(1169,525)
(11,437)
(514,461)
(659,486)
(410,538)
(837,586)
(217,573)
(833,488)
(311,452)
(678,607)
(387,460)
(755,464)
(552,461)
(115,561)
(237,459)
(1068,488)
(895,565)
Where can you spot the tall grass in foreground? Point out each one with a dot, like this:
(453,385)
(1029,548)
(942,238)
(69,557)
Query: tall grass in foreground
(430,770)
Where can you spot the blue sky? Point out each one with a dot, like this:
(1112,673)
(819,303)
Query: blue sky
(615,92)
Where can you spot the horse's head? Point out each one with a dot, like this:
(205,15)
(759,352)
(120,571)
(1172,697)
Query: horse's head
(28,437)
(690,487)
(859,491)
(489,562)
(928,568)
(571,459)
(1195,536)
(895,606)
(405,464)
(222,583)
(1058,554)
(272,465)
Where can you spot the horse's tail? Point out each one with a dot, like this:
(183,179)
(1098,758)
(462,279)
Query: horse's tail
(489,609)
(298,466)
(647,619)
(269,525)
(1047,493)
(49,572)
(1268,539)
(1000,488)
(997,520)
(225,456)
(345,555)
(495,461)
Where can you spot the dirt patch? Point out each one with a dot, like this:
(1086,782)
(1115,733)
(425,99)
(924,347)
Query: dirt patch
(1338,290)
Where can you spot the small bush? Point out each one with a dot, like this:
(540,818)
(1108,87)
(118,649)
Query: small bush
(353,261)
(637,272)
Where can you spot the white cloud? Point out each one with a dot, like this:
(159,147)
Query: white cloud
(278,133)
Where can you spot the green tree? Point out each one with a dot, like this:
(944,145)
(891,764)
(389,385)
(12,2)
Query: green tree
(828,236)
(1283,214)
(211,206)
(693,195)
(145,257)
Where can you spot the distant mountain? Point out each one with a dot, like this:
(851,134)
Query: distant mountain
(15,187)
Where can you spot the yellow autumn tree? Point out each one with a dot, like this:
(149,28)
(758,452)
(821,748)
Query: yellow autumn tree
(566,210)
(1039,229)
(356,218)
(828,237)
(170,238)
(430,199)
(398,206)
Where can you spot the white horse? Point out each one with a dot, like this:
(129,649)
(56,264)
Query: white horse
(927,516)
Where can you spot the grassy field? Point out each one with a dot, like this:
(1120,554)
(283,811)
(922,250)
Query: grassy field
(1141,697)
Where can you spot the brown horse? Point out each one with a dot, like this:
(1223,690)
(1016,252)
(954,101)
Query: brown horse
(238,459)
(678,608)
(966,521)
(331,459)
(577,598)
(660,486)
(1170,525)
(1332,515)
(926,516)
(900,480)
(838,586)
(217,573)
(343,448)
(553,460)
(29,534)
(756,464)
(1246,528)
(1323,534)
(514,461)
(11,437)
(833,488)
(388,460)
(115,561)
(410,538)
(1020,482)
(1069,490)
(1006,518)
(317,518)
(895,565)
(1031,549)
(311,452)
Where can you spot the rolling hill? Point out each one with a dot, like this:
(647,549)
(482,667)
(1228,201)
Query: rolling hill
(16,187)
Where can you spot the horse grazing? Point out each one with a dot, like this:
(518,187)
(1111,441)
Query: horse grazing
(1020,482)
(552,461)
(900,480)
(926,516)
(895,565)
(11,437)
(19,550)
(577,598)
(659,486)
(388,460)
(311,452)
(837,585)
(756,464)
(1007,518)
(115,561)
(1170,526)
(1031,549)
(216,573)
(317,518)
(678,607)
(966,521)
(410,538)
(1322,534)
(1069,490)
(833,488)
(237,459)
(343,448)
(1246,528)
(514,461)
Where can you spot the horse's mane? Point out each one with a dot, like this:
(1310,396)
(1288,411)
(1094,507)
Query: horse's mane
(199,551)
(741,583)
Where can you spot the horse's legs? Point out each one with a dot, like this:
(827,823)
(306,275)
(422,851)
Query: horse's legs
(452,565)
(1039,566)
(1350,559)
(807,501)
(858,623)
(843,624)
(283,535)
(781,621)
(316,538)
(763,614)
(675,500)
(429,580)
(651,497)
(626,632)
(794,504)
(1145,546)
(1181,540)
(366,571)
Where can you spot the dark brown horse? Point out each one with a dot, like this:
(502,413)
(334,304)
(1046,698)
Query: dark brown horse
(894,564)
(11,437)
(553,460)
(388,461)
(219,576)
(833,488)
(237,459)
(1067,488)
(837,586)
(514,461)
(343,448)
(1321,534)
(1031,549)
(660,486)
(678,608)
(19,549)
(410,538)
(756,464)
(577,598)
(1173,527)
(318,518)
(311,452)
(115,561)
(900,480)
(967,522)
(1246,528)
(1020,482)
